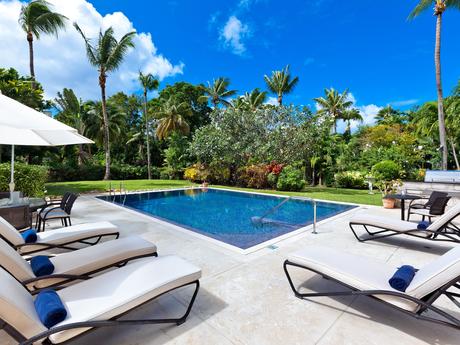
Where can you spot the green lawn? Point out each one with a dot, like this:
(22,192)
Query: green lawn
(324,193)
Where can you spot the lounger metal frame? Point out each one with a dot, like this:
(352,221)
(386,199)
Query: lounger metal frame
(103,323)
(425,304)
(47,246)
(449,232)
(68,278)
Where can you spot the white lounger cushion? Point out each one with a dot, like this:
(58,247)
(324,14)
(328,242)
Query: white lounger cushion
(366,274)
(17,306)
(14,263)
(121,290)
(70,234)
(10,233)
(99,256)
(389,223)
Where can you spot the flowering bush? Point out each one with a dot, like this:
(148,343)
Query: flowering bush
(252,176)
(350,179)
(197,173)
(275,168)
(291,179)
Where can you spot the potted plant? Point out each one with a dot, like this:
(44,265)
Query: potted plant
(387,188)
(387,176)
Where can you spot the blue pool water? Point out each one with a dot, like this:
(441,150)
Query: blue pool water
(239,219)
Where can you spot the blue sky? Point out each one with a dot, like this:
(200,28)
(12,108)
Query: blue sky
(371,49)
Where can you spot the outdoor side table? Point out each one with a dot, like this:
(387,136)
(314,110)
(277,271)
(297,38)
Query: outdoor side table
(403,198)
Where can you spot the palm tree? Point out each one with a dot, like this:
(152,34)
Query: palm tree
(172,118)
(218,92)
(334,105)
(281,83)
(107,55)
(149,83)
(72,112)
(351,115)
(439,7)
(255,99)
(389,116)
(95,123)
(36,18)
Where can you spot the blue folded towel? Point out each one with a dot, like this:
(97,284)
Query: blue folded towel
(41,265)
(49,308)
(29,236)
(423,225)
(402,278)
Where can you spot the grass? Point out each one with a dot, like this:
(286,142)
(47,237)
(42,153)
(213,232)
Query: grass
(324,193)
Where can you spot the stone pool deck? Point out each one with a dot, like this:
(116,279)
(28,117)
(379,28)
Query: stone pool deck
(245,299)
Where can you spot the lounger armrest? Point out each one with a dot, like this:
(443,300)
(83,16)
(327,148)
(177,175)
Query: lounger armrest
(57,276)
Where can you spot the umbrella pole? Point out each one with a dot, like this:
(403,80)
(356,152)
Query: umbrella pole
(12,170)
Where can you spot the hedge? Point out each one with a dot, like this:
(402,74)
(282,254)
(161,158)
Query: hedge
(29,179)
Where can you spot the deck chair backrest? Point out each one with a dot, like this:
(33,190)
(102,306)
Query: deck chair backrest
(64,199)
(433,196)
(17,307)
(439,205)
(436,274)
(14,263)
(69,204)
(448,216)
(9,233)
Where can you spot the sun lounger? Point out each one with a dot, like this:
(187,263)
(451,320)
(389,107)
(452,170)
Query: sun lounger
(377,227)
(363,276)
(76,265)
(63,238)
(98,302)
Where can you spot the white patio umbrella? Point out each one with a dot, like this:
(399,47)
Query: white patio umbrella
(24,126)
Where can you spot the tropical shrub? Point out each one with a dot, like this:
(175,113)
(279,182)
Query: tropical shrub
(272,180)
(386,170)
(350,179)
(29,179)
(291,179)
(197,173)
(93,172)
(219,173)
(252,176)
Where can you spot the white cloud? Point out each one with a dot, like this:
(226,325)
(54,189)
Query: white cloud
(233,35)
(62,62)
(272,100)
(404,103)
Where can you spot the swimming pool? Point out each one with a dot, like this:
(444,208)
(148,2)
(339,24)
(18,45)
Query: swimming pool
(240,219)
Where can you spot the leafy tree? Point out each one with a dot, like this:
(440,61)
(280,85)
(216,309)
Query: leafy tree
(390,116)
(20,88)
(181,92)
(218,92)
(351,115)
(172,118)
(96,125)
(37,18)
(440,6)
(149,83)
(72,112)
(281,83)
(334,105)
(106,55)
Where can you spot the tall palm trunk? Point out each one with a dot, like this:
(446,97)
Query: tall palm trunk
(102,80)
(149,171)
(30,39)
(80,154)
(280,99)
(454,152)
(441,117)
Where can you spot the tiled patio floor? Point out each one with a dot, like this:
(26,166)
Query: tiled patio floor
(245,299)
